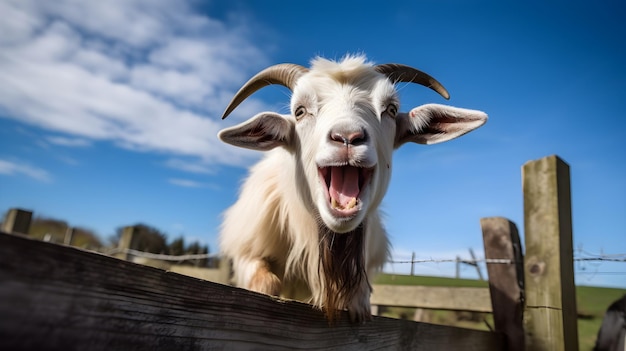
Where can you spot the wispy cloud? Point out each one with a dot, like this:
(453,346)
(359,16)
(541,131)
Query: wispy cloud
(187,183)
(20,169)
(189,166)
(147,76)
(69,142)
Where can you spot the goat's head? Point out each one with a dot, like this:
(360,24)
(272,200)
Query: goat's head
(343,127)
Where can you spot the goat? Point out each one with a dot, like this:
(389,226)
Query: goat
(612,333)
(307,217)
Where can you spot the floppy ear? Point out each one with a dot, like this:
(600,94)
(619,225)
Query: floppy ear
(262,132)
(432,123)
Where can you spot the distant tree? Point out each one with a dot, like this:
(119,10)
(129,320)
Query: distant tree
(177,247)
(85,238)
(146,238)
(150,239)
(193,248)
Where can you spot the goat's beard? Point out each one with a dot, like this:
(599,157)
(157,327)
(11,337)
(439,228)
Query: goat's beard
(342,267)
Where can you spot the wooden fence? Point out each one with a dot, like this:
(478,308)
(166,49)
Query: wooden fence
(55,297)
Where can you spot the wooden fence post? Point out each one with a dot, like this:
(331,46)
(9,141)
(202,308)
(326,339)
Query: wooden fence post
(475,264)
(17,221)
(506,280)
(69,235)
(550,312)
(126,242)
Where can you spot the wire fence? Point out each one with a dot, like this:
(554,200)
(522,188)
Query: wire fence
(472,261)
(503,261)
(587,264)
(581,261)
(162,257)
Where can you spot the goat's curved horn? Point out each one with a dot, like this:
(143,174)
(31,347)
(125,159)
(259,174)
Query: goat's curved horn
(402,73)
(285,74)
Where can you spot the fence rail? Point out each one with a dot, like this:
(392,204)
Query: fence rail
(64,298)
(432,297)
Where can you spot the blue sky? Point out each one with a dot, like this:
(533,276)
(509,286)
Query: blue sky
(109,111)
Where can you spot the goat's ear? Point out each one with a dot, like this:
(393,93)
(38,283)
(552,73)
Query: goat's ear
(262,132)
(432,123)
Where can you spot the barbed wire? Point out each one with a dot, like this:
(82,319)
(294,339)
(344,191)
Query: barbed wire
(600,273)
(504,260)
(607,259)
(163,257)
(454,260)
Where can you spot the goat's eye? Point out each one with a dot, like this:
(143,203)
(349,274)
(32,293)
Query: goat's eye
(392,110)
(300,112)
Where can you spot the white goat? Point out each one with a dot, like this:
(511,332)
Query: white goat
(307,216)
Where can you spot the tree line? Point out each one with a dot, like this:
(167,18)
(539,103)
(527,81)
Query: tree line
(148,238)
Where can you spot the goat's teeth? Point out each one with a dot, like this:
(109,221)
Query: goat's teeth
(336,205)
(352,203)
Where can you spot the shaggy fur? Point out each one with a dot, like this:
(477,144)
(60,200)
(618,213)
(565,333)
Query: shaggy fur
(285,233)
(343,267)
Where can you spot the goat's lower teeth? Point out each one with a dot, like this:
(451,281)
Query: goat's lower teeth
(336,205)
(352,203)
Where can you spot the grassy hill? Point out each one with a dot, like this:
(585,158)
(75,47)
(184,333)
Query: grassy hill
(592,302)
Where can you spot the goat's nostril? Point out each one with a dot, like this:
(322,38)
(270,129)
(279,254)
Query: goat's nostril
(358,138)
(338,137)
(350,138)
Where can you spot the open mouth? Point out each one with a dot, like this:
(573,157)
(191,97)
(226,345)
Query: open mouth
(344,185)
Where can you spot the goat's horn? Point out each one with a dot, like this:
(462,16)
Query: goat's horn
(285,74)
(402,73)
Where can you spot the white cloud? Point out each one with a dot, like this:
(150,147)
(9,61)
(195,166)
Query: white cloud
(189,166)
(188,183)
(70,142)
(145,75)
(20,169)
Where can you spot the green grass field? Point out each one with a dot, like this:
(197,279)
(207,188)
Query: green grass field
(592,302)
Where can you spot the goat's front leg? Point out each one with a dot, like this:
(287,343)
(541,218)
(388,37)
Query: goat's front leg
(255,274)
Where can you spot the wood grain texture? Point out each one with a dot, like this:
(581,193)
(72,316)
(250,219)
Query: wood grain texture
(550,312)
(432,297)
(506,281)
(54,297)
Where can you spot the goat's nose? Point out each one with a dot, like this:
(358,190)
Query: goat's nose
(353,138)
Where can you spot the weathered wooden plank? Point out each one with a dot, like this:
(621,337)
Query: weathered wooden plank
(550,311)
(61,298)
(432,297)
(217,275)
(506,280)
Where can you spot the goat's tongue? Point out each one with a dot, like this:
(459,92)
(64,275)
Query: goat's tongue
(344,186)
